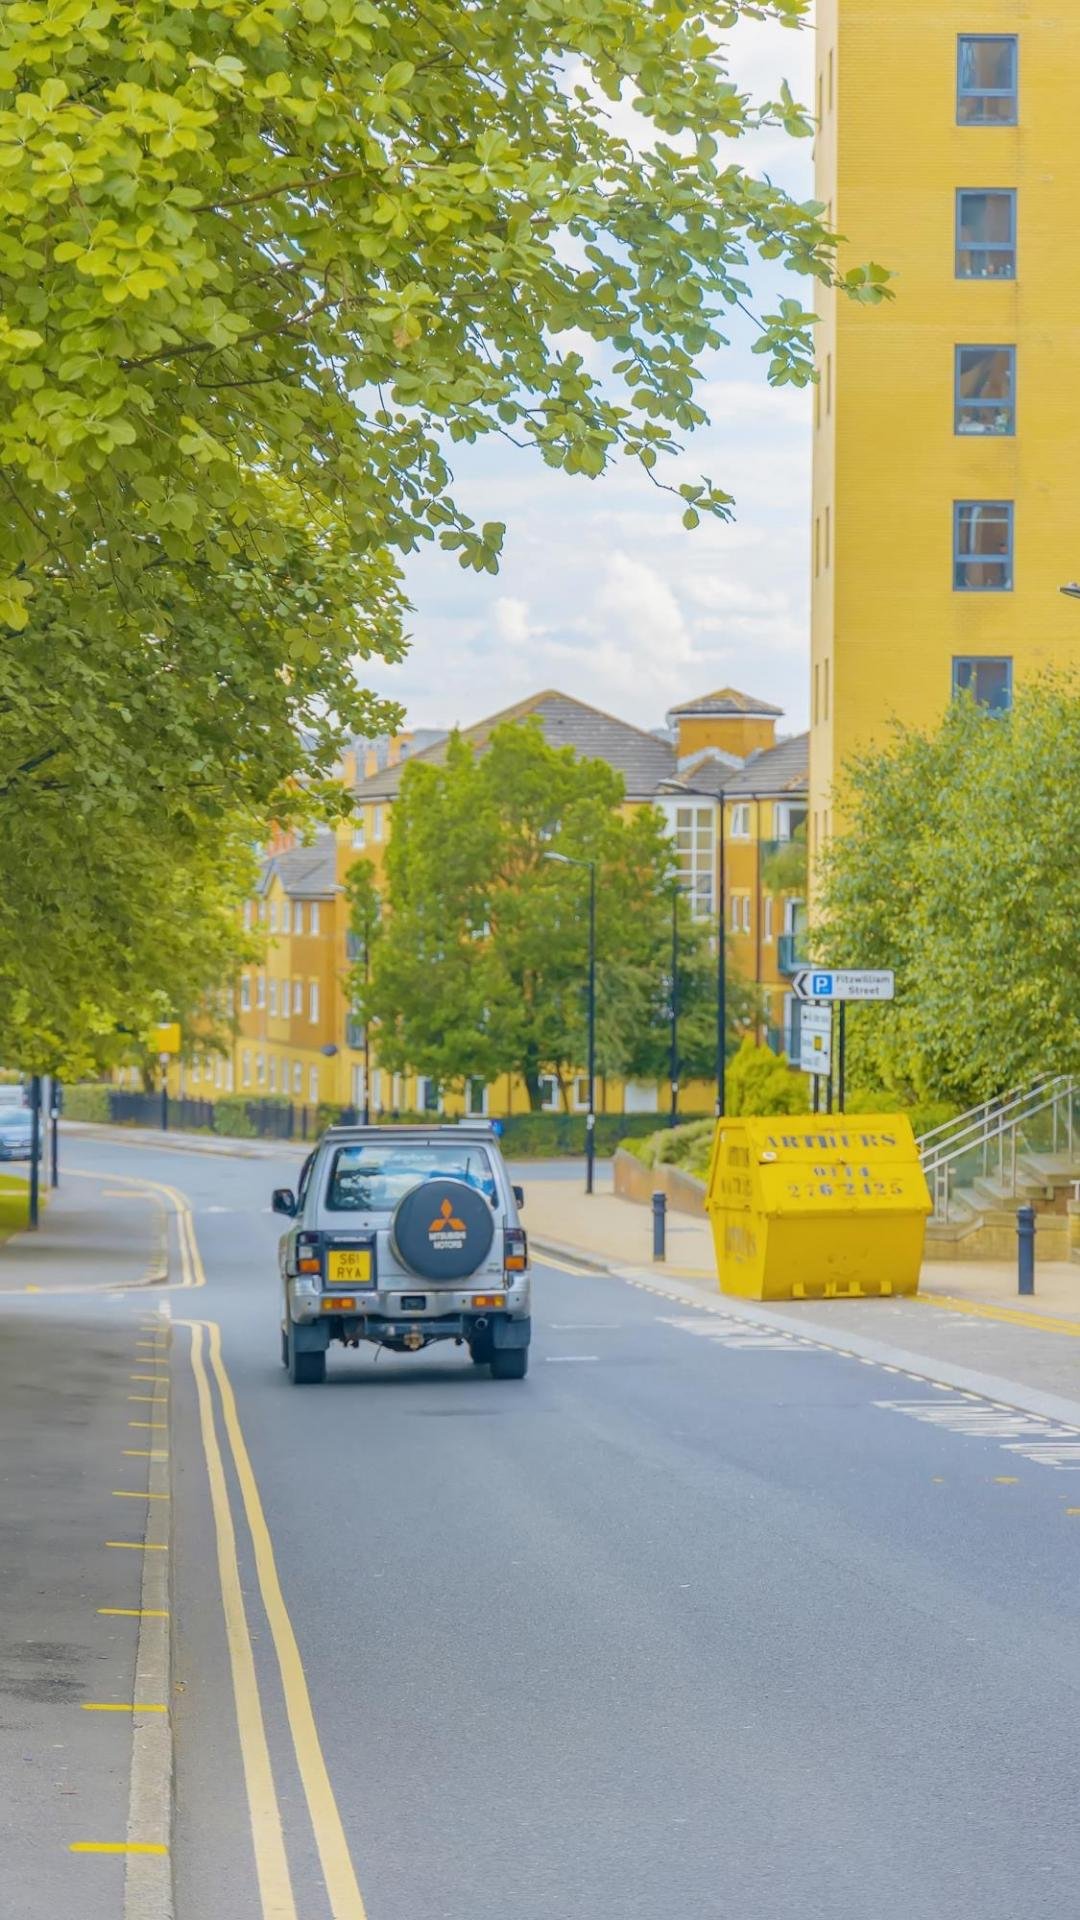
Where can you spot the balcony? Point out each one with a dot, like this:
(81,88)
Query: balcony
(790,954)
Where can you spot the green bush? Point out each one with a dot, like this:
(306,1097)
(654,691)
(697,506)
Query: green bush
(231,1117)
(88,1103)
(761,1082)
(925,1115)
(686,1147)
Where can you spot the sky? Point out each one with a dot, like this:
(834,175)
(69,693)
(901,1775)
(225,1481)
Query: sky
(601,592)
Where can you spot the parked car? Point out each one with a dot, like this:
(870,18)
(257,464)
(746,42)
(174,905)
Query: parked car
(404,1236)
(15,1133)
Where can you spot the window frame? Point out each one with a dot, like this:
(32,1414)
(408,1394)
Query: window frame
(313,912)
(975,346)
(245,993)
(740,814)
(1011,93)
(313,1002)
(984,660)
(1006,562)
(986,246)
(552,1103)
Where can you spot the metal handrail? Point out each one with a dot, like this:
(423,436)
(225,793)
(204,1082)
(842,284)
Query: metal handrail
(993,1123)
(997,1101)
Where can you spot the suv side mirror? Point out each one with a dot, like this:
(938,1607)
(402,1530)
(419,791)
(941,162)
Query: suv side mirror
(519,1196)
(283,1200)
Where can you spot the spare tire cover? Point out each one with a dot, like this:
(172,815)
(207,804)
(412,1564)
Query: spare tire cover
(442,1230)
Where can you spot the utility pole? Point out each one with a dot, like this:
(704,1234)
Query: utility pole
(673,1114)
(35,1148)
(721,974)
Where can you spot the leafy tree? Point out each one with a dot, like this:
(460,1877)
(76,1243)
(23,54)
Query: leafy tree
(957,869)
(648,1052)
(262,265)
(307,238)
(784,871)
(479,965)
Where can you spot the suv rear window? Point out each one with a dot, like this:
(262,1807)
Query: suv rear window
(371,1178)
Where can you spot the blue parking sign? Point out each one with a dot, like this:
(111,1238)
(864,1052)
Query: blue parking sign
(821,986)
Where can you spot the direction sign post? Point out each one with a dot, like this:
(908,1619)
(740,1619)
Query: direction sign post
(838,986)
(815,1041)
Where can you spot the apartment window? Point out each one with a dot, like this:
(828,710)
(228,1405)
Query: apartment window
(986,79)
(249,913)
(196,1071)
(313,1086)
(427,1094)
(989,680)
(313,1000)
(766,931)
(260,1068)
(245,993)
(286,916)
(219,1071)
(376,823)
(273,996)
(273,916)
(581,1092)
(273,1073)
(740,821)
(985,390)
(260,990)
(476,1100)
(376,1090)
(983,546)
(549,1092)
(298,996)
(245,1068)
(297,1077)
(694,857)
(358,832)
(789,818)
(746,913)
(985,233)
(314,916)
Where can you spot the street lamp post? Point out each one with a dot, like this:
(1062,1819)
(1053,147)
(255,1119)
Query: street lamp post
(721,974)
(673,1067)
(367,1032)
(566,860)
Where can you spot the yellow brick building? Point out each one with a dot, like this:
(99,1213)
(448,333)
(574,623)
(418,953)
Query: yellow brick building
(945,510)
(715,771)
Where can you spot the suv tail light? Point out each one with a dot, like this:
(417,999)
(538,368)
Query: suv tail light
(308,1253)
(515,1250)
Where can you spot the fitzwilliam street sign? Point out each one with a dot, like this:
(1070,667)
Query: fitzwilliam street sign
(819,983)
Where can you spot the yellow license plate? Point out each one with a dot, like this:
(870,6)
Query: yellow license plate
(349,1266)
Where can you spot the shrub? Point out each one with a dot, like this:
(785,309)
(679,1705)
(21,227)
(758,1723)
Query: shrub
(231,1117)
(88,1103)
(761,1082)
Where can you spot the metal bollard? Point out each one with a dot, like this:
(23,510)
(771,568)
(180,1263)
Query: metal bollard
(659,1226)
(1025,1249)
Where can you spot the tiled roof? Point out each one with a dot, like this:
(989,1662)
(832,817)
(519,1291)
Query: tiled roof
(306,873)
(726,700)
(642,759)
(784,768)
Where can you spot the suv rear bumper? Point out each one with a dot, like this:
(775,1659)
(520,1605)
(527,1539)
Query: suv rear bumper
(503,1331)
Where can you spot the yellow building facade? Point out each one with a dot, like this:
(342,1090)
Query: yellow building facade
(716,773)
(946,422)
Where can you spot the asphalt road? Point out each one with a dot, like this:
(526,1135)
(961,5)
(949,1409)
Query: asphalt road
(690,1623)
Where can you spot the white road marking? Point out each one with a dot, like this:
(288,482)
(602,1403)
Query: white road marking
(1044,1442)
(566,1359)
(583,1326)
(726,1331)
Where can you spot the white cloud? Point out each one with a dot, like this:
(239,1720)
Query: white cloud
(601,591)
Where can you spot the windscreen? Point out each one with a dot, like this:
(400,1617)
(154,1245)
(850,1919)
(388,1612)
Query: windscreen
(371,1178)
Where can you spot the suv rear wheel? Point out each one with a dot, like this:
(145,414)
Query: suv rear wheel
(509,1363)
(305,1369)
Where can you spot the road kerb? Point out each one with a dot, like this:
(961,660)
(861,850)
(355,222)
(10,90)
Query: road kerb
(148,1881)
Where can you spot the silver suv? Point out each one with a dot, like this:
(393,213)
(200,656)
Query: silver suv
(402,1236)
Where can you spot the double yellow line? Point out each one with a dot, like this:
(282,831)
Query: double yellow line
(272,1865)
(192,1271)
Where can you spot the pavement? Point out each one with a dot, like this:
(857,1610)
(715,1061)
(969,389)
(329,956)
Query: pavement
(725,1611)
(85,1751)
